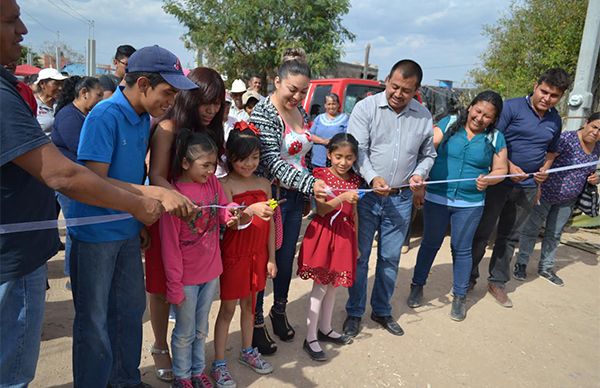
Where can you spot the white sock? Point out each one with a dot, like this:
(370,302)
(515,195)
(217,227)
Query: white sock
(327,312)
(316,297)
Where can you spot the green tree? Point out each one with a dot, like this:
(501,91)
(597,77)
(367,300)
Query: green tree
(246,37)
(37,60)
(534,36)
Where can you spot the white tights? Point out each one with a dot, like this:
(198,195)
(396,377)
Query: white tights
(320,311)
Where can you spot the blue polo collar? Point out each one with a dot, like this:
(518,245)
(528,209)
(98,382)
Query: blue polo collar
(125,106)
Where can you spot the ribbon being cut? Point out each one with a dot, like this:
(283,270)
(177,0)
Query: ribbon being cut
(362,192)
(71,222)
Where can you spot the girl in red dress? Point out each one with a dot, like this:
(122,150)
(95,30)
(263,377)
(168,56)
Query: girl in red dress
(329,250)
(248,253)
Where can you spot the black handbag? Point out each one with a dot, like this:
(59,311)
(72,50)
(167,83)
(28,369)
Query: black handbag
(589,200)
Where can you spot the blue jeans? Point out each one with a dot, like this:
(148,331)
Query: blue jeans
(390,216)
(107,281)
(463,223)
(191,330)
(21,316)
(554,217)
(291,219)
(65,204)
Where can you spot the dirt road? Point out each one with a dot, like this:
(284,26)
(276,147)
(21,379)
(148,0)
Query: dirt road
(550,338)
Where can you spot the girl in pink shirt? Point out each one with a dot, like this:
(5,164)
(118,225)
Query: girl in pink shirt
(191,252)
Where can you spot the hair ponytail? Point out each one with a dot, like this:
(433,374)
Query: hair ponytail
(71,88)
(67,94)
(190,145)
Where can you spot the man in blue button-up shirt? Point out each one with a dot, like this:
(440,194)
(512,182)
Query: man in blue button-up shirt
(395,136)
(531,127)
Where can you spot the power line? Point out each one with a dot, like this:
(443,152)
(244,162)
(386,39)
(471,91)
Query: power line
(38,22)
(68,13)
(74,10)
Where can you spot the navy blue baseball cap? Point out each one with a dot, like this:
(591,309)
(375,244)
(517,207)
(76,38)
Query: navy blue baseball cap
(155,59)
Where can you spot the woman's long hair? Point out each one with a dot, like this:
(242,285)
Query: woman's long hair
(185,114)
(487,96)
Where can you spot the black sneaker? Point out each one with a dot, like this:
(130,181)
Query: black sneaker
(459,308)
(415,299)
(551,277)
(519,272)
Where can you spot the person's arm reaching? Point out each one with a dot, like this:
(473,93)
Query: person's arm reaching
(51,167)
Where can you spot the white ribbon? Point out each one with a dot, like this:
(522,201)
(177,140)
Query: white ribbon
(80,221)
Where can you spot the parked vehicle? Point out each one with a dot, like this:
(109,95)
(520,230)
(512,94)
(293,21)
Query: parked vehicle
(349,90)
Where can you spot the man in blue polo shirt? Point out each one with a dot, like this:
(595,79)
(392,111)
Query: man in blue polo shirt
(106,266)
(531,127)
(31,169)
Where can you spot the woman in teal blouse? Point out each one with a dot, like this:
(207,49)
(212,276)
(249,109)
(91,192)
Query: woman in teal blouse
(470,147)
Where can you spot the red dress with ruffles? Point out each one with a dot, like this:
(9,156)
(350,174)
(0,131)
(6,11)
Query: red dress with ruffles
(329,250)
(245,253)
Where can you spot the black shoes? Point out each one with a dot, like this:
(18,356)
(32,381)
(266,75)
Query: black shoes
(341,340)
(519,272)
(281,326)
(263,341)
(388,323)
(415,299)
(459,308)
(550,276)
(351,326)
(317,356)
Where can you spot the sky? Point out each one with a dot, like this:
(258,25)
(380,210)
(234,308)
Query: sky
(443,36)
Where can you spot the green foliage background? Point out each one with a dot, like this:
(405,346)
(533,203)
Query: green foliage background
(534,36)
(246,37)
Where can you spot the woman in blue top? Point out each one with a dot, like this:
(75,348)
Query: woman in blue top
(78,96)
(326,126)
(470,147)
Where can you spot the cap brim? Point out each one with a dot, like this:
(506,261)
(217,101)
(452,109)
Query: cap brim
(179,81)
(54,77)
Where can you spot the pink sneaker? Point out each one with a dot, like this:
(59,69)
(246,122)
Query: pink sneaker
(255,362)
(201,381)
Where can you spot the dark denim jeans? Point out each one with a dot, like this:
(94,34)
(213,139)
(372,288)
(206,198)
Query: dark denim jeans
(463,223)
(21,316)
(554,217)
(390,216)
(509,207)
(65,204)
(107,280)
(291,219)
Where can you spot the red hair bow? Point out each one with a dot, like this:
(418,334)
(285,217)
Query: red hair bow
(242,126)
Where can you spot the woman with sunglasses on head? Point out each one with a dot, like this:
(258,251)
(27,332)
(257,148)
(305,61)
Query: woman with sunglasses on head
(471,147)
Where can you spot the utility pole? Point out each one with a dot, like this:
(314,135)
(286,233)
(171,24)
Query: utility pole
(90,66)
(580,100)
(57,51)
(366,65)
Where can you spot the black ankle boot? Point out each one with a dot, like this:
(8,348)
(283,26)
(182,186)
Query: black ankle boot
(263,341)
(459,308)
(281,326)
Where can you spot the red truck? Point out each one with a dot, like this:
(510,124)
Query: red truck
(349,90)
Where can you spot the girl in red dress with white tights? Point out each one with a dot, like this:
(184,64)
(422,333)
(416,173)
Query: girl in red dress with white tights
(248,253)
(330,249)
